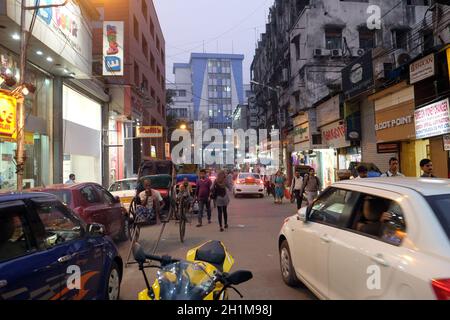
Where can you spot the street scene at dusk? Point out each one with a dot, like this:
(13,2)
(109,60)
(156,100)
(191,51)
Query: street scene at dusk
(249,151)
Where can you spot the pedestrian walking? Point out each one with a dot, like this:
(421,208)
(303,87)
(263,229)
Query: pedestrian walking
(427,167)
(71,179)
(219,193)
(393,169)
(363,172)
(311,186)
(203,196)
(280,181)
(297,189)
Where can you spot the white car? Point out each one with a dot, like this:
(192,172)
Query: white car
(380,238)
(124,189)
(247,184)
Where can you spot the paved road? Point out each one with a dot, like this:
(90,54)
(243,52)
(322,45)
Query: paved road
(251,239)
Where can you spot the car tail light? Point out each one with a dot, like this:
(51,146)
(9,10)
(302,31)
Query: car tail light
(441,288)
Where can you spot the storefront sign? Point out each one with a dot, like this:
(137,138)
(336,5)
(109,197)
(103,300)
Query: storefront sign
(352,116)
(358,75)
(388,148)
(64,20)
(433,120)
(422,69)
(447,142)
(334,135)
(394,123)
(113,36)
(149,132)
(301,133)
(328,111)
(8,119)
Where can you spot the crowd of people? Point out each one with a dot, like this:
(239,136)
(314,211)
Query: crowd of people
(301,187)
(309,185)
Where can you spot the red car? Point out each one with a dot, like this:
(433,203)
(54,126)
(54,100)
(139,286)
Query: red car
(93,204)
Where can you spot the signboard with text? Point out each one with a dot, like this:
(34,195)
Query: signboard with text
(149,132)
(357,77)
(432,120)
(334,135)
(113,41)
(8,120)
(422,69)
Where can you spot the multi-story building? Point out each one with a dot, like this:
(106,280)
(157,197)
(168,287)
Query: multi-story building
(270,70)
(213,84)
(138,90)
(181,91)
(329,101)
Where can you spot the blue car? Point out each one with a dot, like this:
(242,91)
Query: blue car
(48,253)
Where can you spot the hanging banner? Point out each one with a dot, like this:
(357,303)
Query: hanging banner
(113,48)
(8,120)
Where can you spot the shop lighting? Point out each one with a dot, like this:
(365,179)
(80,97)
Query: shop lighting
(49,59)
(39,53)
(16,36)
(25,91)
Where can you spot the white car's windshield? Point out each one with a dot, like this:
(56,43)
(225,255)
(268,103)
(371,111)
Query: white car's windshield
(249,175)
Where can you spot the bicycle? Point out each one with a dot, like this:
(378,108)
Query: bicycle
(184,207)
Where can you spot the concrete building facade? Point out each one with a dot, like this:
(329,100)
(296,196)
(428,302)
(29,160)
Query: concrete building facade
(138,96)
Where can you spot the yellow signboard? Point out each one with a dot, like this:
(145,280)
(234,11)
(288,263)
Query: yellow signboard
(448,62)
(8,120)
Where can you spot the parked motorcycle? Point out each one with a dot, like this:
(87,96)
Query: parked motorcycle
(204,275)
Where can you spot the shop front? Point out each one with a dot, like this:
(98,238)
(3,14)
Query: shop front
(394,128)
(432,124)
(322,159)
(82,140)
(38,108)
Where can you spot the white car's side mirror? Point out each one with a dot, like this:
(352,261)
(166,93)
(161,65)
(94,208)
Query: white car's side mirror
(301,214)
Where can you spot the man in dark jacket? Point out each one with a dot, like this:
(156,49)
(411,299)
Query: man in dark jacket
(203,193)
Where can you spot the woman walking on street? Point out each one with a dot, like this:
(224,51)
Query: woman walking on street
(219,193)
(279,187)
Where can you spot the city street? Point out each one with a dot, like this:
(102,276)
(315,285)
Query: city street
(251,239)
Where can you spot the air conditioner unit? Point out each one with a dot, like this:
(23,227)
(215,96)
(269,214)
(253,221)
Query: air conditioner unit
(335,53)
(401,57)
(358,52)
(321,53)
